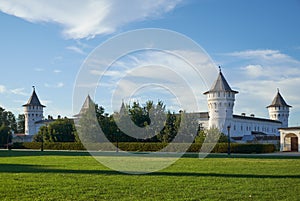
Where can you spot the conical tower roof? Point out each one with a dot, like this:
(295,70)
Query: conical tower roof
(278,101)
(87,103)
(220,85)
(123,108)
(33,100)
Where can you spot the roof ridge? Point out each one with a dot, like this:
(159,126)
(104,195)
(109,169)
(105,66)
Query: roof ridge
(220,84)
(33,100)
(278,101)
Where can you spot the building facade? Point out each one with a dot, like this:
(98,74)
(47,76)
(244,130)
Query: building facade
(290,139)
(220,101)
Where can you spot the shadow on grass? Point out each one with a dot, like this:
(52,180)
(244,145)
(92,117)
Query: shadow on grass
(20,168)
(21,153)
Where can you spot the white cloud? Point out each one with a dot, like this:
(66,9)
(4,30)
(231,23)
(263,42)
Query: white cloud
(57,85)
(265,56)
(254,70)
(161,75)
(39,69)
(76,49)
(87,18)
(264,65)
(57,71)
(257,74)
(2,89)
(19,91)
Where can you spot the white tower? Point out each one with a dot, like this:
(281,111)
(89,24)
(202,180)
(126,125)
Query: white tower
(279,110)
(220,100)
(33,111)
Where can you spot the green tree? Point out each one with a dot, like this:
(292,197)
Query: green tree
(5,135)
(170,129)
(8,119)
(211,135)
(21,123)
(87,124)
(60,130)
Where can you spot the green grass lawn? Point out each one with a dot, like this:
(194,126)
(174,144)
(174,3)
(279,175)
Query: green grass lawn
(35,175)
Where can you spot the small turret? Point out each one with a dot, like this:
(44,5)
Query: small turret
(279,110)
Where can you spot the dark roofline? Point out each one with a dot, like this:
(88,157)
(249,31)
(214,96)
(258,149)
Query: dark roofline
(291,128)
(278,101)
(44,121)
(220,85)
(33,100)
(255,118)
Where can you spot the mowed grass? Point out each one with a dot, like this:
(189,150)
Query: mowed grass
(32,175)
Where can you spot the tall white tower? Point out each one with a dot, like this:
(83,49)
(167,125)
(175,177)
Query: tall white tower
(220,100)
(33,111)
(279,110)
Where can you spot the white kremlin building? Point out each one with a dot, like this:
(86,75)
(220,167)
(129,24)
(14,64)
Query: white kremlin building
(220,100)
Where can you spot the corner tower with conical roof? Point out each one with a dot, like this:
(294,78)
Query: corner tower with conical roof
(279,110)
(33,111)
(220,99)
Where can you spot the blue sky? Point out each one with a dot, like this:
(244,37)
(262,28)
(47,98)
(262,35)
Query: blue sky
(44,43)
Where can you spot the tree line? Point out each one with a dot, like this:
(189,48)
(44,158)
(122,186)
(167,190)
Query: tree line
(9,125)
(131,124)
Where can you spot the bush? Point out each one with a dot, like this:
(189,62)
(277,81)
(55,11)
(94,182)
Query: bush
(152,147)
(50,146)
